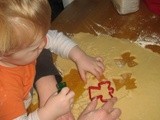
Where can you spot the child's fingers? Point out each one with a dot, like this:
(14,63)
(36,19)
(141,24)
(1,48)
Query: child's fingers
(71,100)
(83,75)
(70,95)
(67,92)
(95,73)
(101,66)
(64,91)
(98,74)
(99,70)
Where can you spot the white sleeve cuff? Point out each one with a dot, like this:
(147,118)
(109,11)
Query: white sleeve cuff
(58,43)
(31,116)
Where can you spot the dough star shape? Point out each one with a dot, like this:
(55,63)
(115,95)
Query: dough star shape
(126,59)
(126,81)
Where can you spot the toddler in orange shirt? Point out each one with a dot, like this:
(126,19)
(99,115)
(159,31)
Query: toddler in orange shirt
(24,34)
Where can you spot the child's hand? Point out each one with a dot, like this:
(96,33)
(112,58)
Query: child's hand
(58,104)
(90,64)
(86,63)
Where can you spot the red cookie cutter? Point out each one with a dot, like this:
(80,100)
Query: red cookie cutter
(110,90)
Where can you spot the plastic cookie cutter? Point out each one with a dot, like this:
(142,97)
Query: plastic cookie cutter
(61,85)
(101,97)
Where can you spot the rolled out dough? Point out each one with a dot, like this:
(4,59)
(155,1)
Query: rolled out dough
(140,103)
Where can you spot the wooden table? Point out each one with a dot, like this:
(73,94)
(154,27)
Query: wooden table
(100,16)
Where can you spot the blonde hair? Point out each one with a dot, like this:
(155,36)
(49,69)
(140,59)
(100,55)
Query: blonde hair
(22,22)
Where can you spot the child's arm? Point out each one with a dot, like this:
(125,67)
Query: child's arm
(56,106)
(86,63)
(58,43)
(65,47)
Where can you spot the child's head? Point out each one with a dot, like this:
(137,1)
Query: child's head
(23,23)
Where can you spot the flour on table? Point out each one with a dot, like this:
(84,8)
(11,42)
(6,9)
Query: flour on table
(144,40)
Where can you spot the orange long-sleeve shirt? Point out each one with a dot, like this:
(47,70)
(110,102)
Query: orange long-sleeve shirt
(15,85)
